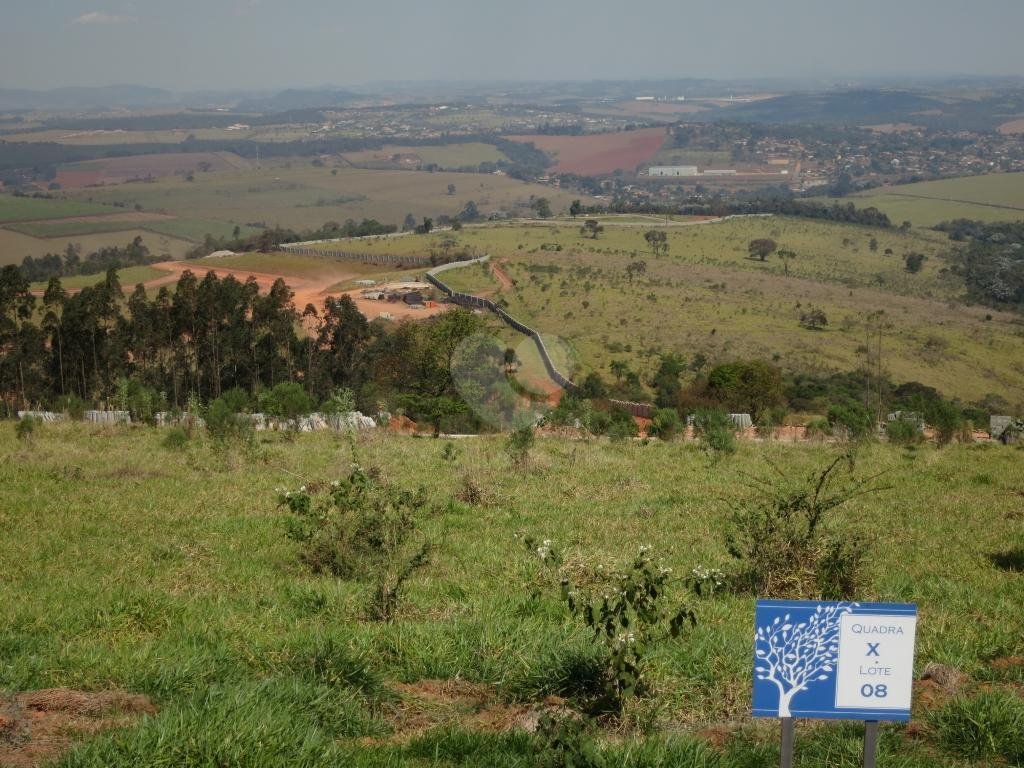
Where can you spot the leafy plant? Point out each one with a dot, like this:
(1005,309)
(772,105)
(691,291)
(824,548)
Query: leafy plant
(715,431)
(779,541)
(518,445)
(26,428)
(903,432)
(627,619)
(665,424)
(224,424)
(360,528)
(74,406)
(175,439)
(567,743)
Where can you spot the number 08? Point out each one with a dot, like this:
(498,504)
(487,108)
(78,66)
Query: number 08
(876,691)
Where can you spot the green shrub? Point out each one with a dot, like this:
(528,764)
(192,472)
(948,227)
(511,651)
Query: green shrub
(715,430)
(224,424)
(360,528)
(237,400)
(778,540)
(621,425)
(851,419)
(903,432)
(341,401)
(287,401)
(176,439)
(518,446)
(141,402)
(665,424)
(628,617)
(74,406)
(27,427)
(946,418)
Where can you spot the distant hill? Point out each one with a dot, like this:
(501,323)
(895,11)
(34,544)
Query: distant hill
(877,106)
(293,99)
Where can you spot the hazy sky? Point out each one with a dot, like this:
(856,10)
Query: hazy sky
(195,44)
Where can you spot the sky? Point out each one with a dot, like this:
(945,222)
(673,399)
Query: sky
(270,44)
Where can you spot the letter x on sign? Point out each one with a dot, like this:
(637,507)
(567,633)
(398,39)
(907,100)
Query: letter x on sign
(873,649)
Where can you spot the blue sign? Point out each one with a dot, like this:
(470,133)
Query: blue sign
(834,660)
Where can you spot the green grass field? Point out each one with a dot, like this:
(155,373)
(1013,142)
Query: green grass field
(129,278)
(15,246)
(994,197)
(115,578)
(703,158)
(297,195)
(31,208)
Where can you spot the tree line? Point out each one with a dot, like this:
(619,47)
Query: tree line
(205,337)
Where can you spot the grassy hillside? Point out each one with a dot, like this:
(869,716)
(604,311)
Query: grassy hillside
(114,578)
(15,246)
(31,208)
(995,197)
(129,278)
(707,296)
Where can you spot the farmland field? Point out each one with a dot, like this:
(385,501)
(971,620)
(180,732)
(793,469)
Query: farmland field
(116,579)
(129,277)
(298,195)
(707,296)
(15,246)
(169,136)
(444,156)
(993,197)
(32,208)
(600,152)
(117,170)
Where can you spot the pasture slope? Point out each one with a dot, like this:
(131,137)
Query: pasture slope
(118,580)
(991,197)
(707,296)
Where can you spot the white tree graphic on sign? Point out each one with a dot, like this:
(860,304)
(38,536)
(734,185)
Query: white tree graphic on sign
(793,656)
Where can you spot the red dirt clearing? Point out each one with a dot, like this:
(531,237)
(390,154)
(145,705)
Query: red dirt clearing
(37,727)
(1013,126)
(599,152)
(307,290)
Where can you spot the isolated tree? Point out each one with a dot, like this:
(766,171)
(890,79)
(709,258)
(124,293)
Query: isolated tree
(470,212)
(795,656)
(542,207)
(813,319)
(761,248)
(575,209)
(451,189)
(619,369)
(635,268)
(591,228)
(426,226)
(657,239)
(786,257)
(912,262)
(873,244)
(409,222)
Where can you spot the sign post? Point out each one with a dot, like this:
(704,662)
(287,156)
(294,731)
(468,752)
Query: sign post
(833,660)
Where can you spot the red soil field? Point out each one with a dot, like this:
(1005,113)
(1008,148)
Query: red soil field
(599,152)
(116,170)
